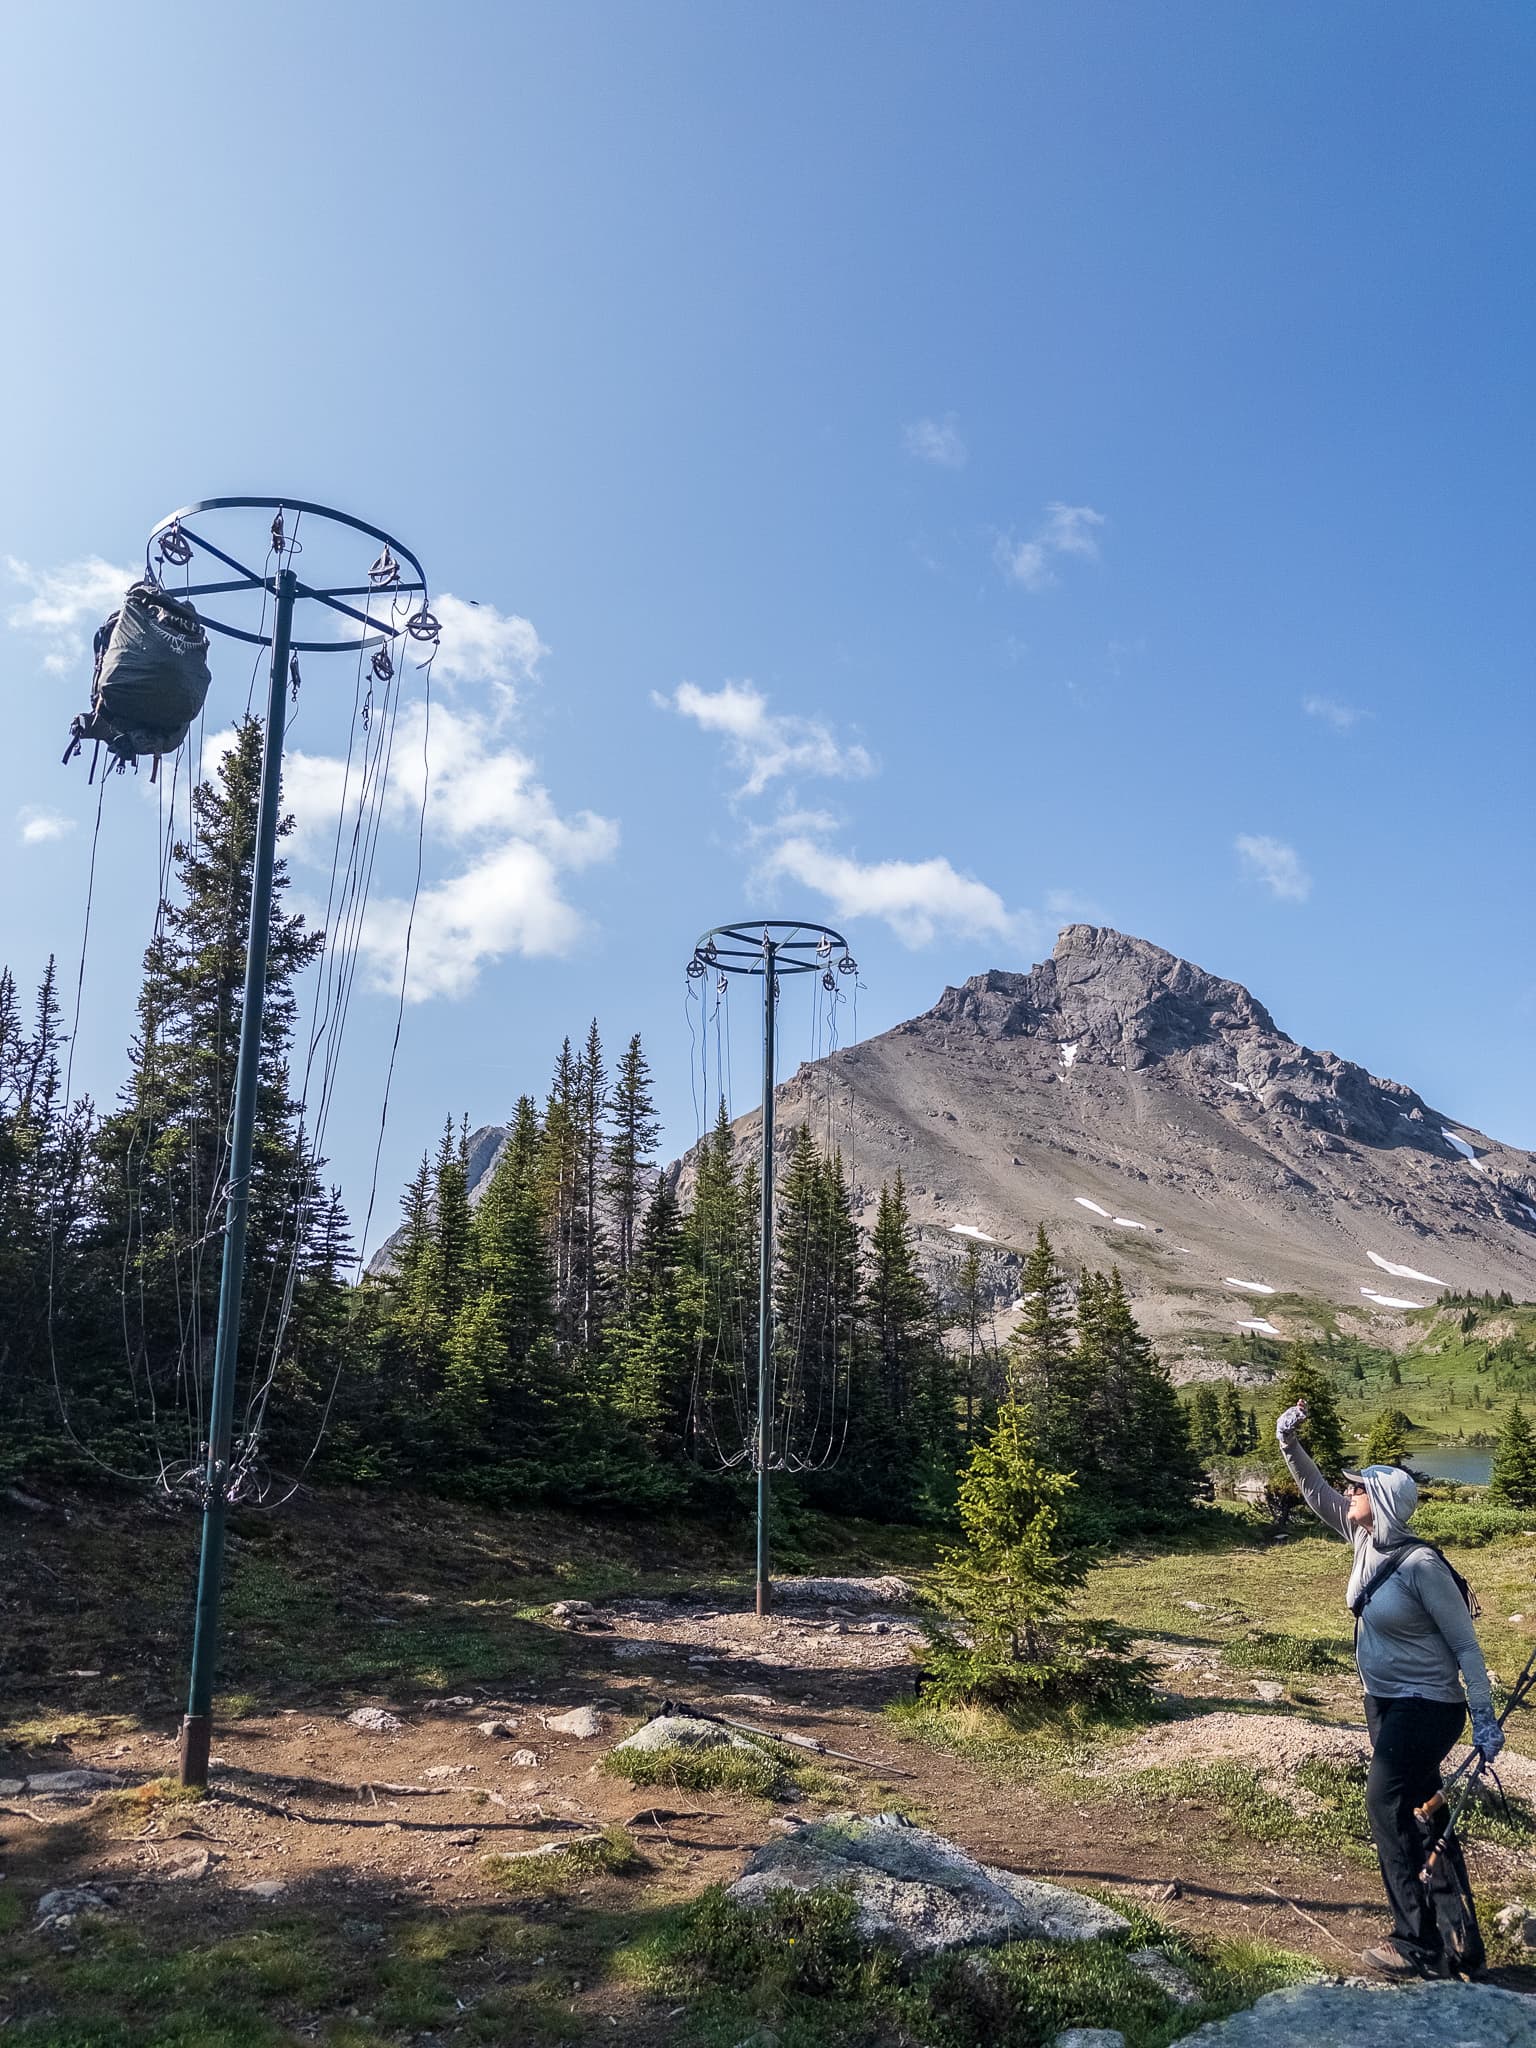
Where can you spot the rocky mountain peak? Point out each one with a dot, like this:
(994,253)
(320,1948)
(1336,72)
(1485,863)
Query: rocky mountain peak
(1112,997)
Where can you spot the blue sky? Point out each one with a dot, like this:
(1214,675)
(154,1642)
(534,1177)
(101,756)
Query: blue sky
(941,469)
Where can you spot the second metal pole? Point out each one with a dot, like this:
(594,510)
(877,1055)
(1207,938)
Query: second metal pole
(765,1282)
(197,1728)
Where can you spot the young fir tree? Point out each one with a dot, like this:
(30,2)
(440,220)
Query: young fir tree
(162,1156)
(1205,1433)
(815,1301)
(633,1128)
(1010,1584)
(1513,1480)
(1387,1442)
(1041,1358)
(1232,1423)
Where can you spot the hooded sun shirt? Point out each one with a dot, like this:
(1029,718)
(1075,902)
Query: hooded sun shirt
(1416,1639)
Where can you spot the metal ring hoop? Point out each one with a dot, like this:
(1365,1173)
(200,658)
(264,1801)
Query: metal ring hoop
(740,948)
(251,580)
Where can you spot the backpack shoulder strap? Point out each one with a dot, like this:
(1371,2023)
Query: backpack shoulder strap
(1395,1556)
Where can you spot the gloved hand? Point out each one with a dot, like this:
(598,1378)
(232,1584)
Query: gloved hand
(1289,1423)
(1487,1735)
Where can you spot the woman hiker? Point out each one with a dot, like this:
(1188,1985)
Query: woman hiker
(1414,1646)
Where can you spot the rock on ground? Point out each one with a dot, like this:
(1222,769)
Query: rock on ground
(375,1721)
(1089,2037)
(59,1908)
(1371,2016)
(688,1731)
(885,1591)
(582,1722)
(70,1785)
(1162,1971)
(918,1891)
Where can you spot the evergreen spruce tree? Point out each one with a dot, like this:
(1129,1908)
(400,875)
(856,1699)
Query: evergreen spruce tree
(654,1341)
(1233,1424)
(593,1105)
(1137,1460)
(1513,1480)
(720,1246)
(1041,1359)
(1009,1586)
(633,1129)
(162,1157)
(1322,1434)
(1205,1432)
(1387,1442)
(501,1367)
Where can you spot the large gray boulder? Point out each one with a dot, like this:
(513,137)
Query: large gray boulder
(688,1731)
(918,1891)
(1377,2016)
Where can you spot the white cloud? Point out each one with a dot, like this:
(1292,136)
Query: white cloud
(1276,865)
(1342,717)
(764,744)
(482,796)
(917,898)
(936,441)
(1067,530)
(61,603)
(35,826)
(483,645)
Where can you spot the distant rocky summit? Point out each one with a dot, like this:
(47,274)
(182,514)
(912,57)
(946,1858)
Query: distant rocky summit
(1154,1117)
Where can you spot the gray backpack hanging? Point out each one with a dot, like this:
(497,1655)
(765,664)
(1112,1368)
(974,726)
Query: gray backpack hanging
(151,679)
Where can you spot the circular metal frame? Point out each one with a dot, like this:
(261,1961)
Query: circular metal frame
(744,948)
(382,631)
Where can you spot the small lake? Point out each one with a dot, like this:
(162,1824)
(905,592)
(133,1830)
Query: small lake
(1468,1467)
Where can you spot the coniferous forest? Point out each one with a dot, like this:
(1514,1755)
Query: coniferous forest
(584,1333)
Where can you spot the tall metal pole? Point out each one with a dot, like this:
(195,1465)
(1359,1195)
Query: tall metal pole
(765,1280)
(197,1728)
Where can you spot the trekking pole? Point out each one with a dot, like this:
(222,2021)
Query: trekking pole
(1468,1773)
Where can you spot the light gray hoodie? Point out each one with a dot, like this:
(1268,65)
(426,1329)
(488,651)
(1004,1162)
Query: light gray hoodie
(1416,1631)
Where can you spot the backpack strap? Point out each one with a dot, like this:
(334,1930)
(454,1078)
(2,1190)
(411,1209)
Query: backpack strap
(1395,1557)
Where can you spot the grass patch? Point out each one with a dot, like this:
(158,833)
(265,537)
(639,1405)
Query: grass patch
(554,1871)
(1330,1814)
(1014,1745)
(799,1967)
(755,1773)
(1274,1650)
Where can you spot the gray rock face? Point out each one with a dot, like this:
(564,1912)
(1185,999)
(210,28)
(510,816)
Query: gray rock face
(62,1907)
(1089,2037)
(1154,1116)
(1370,2016)
(918,1891)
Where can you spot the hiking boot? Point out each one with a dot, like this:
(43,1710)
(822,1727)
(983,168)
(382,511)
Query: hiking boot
(1388,1960)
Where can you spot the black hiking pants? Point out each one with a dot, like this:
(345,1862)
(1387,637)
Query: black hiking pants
(1409,1741)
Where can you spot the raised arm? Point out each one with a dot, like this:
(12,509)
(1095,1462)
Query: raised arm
(1325,1501)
